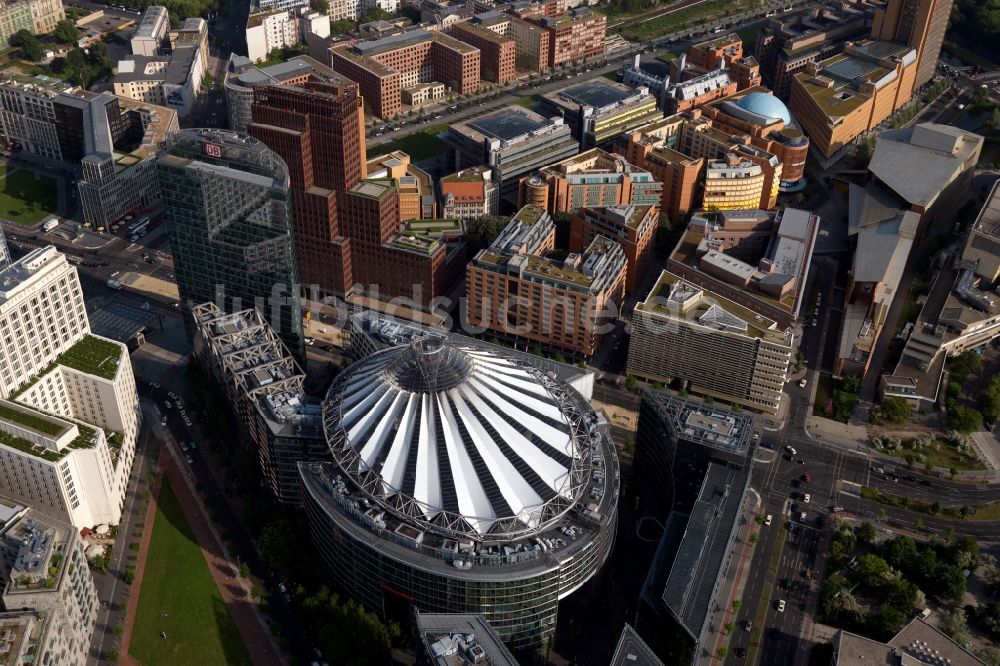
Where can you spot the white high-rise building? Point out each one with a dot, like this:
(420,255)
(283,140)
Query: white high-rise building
(69,412)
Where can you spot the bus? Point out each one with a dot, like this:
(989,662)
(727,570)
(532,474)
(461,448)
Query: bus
(141,229)
(136,223)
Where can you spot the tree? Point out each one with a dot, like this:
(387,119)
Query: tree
(886,621)
(954,390)
(631,382)
(31,49)
(866,532)
(994,119)
(851,384)
(112,656)
(736,605)
(273,543)
(730,627)
(66,32)
(953,623)
(966,364)
(722,652)
(900,552)
(321,6)
(486,228)
(244,570)
(948,582)
(347,633)
(988,402)
(872,567)
(128,577)
(375,13)
(963,419)
(990,655)
(895,410)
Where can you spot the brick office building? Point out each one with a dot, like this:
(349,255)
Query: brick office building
(385,67)
(497,54)
(347,227)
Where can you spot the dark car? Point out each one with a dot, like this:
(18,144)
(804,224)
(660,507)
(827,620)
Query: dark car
(926,482)
(807,477)
(740,652)
(748,625)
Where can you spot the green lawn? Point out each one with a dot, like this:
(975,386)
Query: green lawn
(529,101)
(25,200)
(703,13)
(418,146)
(179,597)
(947,456)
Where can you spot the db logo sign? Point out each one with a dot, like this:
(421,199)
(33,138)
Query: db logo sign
(213,150)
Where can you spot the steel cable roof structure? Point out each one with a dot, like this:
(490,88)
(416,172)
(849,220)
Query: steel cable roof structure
(464,480)
(462,441)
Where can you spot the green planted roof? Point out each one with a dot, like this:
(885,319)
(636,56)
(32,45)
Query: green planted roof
(94,356)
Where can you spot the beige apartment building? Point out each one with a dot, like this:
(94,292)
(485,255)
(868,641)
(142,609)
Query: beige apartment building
(515,291)
(712,345)
(47,589)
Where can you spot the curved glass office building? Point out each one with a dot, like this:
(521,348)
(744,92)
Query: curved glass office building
(463,481)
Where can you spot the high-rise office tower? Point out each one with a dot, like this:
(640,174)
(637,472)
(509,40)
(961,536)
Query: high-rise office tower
(319,132)
(920,24)
(229,217)
(347,227)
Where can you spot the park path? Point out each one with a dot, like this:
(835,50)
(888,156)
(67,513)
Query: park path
(254,632)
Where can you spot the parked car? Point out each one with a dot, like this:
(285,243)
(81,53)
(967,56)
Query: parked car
(781,605)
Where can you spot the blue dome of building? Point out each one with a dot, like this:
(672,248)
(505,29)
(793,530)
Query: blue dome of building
(765,105)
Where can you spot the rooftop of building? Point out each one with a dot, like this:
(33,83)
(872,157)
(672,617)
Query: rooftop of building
(592,161)
(916,643)
(409,38)
(256,18)
(27,270)
(153,17)
(599,94)
(674,297)
(390,331)
(470,175)
(233,154)
(633,651)
(459,639)
(988,221)
(252,351)
(628,216)
(367,63)
(481,32)
(785,256)
(836,87)
(697,556)
(40,541)
(490,534)
(918,162)
(578,14)
(509,124)
(246,74)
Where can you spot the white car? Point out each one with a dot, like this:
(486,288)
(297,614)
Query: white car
(781,605)
(806,498)
(790,450)
(802,383)
(768,519)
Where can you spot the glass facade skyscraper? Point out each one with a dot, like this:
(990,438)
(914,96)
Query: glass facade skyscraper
(229,218)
